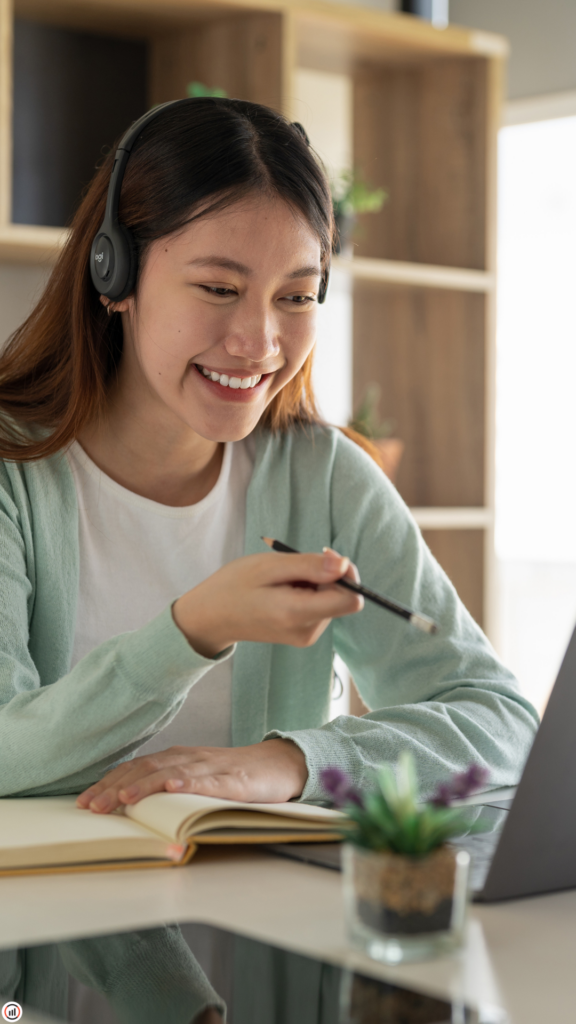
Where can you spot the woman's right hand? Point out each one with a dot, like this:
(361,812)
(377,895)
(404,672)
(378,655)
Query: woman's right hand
(258,598)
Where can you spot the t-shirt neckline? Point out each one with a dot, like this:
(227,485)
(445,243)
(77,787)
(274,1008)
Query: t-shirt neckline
(128,497)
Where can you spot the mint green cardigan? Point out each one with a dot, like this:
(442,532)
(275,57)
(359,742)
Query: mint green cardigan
(447,697)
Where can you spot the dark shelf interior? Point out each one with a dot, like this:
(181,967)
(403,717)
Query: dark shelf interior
(74,95)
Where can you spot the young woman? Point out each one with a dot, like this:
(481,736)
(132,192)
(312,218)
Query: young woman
(148,639)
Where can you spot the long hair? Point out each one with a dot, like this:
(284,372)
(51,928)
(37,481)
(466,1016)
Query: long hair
(194,158)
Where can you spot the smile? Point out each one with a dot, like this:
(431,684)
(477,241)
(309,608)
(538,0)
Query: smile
(243,383)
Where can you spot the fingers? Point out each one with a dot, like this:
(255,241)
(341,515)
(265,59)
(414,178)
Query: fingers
(307,607)
(352,572)
(103,796)
(268,772)
(84,799)
(262,598)
(179,770)
(319,569)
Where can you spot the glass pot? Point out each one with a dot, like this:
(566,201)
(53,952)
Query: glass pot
(405,908)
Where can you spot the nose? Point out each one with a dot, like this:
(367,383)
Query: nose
(253,335)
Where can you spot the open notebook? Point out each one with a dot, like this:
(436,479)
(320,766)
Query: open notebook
(52,834)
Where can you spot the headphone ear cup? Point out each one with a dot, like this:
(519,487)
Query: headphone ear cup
(113,263)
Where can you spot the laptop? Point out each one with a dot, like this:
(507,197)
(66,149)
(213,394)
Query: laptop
(529,846)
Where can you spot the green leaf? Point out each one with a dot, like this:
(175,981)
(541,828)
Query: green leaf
(197,90)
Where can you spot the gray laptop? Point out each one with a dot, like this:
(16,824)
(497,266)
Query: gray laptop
(529,848)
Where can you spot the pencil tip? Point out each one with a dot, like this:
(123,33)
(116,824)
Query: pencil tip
(268,541)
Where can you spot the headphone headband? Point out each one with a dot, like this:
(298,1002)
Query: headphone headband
(113,263)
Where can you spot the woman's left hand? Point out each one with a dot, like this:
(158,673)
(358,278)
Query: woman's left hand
(270,772)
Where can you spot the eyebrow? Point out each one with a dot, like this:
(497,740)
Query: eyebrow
(311,270)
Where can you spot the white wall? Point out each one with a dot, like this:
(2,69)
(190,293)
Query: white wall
(542,35)
(20,286)
(323,103)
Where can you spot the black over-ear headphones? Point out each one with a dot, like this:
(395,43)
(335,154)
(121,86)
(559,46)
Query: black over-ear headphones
(113,263)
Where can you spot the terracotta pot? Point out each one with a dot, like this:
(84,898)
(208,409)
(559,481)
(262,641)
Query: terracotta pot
(390,450)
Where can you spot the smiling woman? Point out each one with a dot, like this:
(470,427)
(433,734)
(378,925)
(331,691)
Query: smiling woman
(148,443)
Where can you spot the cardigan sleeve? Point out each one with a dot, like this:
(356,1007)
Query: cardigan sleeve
(445,697)
(146,976)
(59,738)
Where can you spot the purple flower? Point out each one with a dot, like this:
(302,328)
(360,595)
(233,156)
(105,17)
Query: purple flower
(460,786)
(340,788)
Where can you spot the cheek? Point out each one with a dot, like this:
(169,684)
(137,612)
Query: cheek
(167,341)
(299,334)
(299,341)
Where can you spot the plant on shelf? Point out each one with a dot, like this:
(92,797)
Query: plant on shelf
(366,419)
(197,90)
(351,196)
(405,887)
(366,422)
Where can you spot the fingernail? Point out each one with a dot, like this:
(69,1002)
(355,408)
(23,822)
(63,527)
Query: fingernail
(130,793)
(175,783)
(100,803)
(175,851)
(333,562)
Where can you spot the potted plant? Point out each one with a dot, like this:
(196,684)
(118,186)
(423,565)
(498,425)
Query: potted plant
(366,421)
(197,90)
(405,888)
(350,197)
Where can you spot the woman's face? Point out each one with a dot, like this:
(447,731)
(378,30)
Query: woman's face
(224,318)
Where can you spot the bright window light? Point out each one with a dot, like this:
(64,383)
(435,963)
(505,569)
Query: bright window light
(536,399)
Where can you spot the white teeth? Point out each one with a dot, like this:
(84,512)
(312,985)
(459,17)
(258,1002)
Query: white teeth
(231,382)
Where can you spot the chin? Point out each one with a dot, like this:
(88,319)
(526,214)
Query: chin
(221,432)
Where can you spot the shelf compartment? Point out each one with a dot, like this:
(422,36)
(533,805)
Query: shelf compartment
(25,243)
(420,131)
(453,518)
(424,275)
(461,553)
(426,349)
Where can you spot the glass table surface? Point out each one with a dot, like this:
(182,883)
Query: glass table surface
(179,974)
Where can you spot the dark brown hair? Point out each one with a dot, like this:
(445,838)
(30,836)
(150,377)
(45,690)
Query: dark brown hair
(193,158)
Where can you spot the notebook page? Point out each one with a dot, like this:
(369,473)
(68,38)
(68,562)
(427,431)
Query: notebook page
(56,821)
(174,814)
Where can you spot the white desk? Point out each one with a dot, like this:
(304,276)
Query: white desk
(520,955)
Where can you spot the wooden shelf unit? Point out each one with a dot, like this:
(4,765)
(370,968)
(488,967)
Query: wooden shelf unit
(425,119)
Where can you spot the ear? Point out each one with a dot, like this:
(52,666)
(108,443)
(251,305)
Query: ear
(119,307)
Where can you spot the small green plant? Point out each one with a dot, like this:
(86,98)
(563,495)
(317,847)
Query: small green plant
(366,420)
(389,817)
(196,90)
(351,195)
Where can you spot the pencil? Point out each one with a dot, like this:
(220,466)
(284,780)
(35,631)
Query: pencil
(421,622)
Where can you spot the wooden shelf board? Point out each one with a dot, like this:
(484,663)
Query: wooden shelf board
(453,518)
(25,243)
(342,34)
(422,275)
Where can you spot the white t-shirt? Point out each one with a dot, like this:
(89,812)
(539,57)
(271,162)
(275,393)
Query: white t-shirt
(137,556)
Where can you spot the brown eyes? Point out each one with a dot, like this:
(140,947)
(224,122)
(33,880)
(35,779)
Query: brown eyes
(225,293)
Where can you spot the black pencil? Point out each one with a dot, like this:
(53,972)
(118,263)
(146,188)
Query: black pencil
(421,622)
